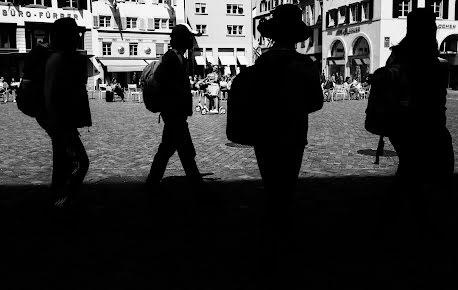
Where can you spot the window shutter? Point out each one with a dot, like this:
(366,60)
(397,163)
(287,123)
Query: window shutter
(114,23)
(141,1)
(327,19)
(123,22)
(150,24)
(371,9)
(359,12)
(347,14)
(155,1)
(445,9)
(336,16)
(396,8)
(96,21)
(142,24)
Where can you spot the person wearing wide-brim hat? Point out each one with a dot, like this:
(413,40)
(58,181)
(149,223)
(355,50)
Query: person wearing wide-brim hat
(289,89)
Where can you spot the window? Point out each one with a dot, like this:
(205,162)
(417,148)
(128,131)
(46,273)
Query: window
(342,13)
(161,23)
(70,3)
(171,23)
(201,8)
(39,2)
(263,6)
(164,24)
(332,17)
(404,8)
(7,36)
(131,22)
(159,49)
(202,29)
(438,8)
(235,30)
(353,14)
(365,11)
(105,21)
(234,9)
(133,48)
(106,48)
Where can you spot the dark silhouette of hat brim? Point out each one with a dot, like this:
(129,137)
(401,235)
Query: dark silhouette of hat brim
(296,31)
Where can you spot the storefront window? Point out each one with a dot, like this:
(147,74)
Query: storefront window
(7,36)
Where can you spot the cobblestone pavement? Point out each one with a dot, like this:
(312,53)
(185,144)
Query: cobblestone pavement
(125,136)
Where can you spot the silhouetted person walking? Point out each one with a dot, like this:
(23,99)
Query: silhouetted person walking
(173,77)
(422,141)
(66,110)
(290,90)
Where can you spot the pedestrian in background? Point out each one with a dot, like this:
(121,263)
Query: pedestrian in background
(66,110)
(172,75)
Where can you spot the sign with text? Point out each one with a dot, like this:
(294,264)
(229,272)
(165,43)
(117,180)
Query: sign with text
(348,30)
(446,26)
(14,13)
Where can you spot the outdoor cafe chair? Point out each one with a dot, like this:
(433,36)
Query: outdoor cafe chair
(133,92)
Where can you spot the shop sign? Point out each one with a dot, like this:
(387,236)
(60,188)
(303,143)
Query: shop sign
(446,26)
(39,15)
(348,30)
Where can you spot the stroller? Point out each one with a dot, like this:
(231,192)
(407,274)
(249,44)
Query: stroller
(212,93)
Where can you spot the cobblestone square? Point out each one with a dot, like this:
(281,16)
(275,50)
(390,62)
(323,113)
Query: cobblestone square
(125,136)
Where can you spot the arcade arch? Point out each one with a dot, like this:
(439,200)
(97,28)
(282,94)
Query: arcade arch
(336,61)
(360,60)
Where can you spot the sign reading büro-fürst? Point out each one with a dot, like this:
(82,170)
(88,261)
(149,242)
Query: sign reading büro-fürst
(13,14)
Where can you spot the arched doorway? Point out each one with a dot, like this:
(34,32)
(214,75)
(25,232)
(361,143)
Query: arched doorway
(336,62)
(360,60)
(449,50)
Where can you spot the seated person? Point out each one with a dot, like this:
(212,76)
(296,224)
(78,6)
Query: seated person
(116,88)
(328,86)
(4,91)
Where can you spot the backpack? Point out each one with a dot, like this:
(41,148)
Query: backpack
(30,97)
(387,103)
(153,95)
(241,120)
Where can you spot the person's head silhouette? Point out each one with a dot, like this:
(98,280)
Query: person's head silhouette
(66,34)
(181,37)
(285,26)
(421,23)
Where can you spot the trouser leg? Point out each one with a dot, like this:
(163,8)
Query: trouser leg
(164,152)
(187,153)
(81,165)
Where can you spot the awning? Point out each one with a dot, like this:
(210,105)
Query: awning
(227,60)
(366,61)
(211,59)
(358,61)
(336,61)
(200,60)
(242,60)
(313,58)
(123,65)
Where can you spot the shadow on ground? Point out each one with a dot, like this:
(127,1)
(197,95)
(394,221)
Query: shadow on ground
(344,233)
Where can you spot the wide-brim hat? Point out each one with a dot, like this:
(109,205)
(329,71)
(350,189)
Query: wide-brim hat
(183,28)
(66,25)
(286,24)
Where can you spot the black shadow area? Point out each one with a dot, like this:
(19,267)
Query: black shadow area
(342,233)
(372,152)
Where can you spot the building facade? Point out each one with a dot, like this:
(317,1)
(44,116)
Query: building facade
(225,34)
(358,35)
(24,23)
(130,34)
